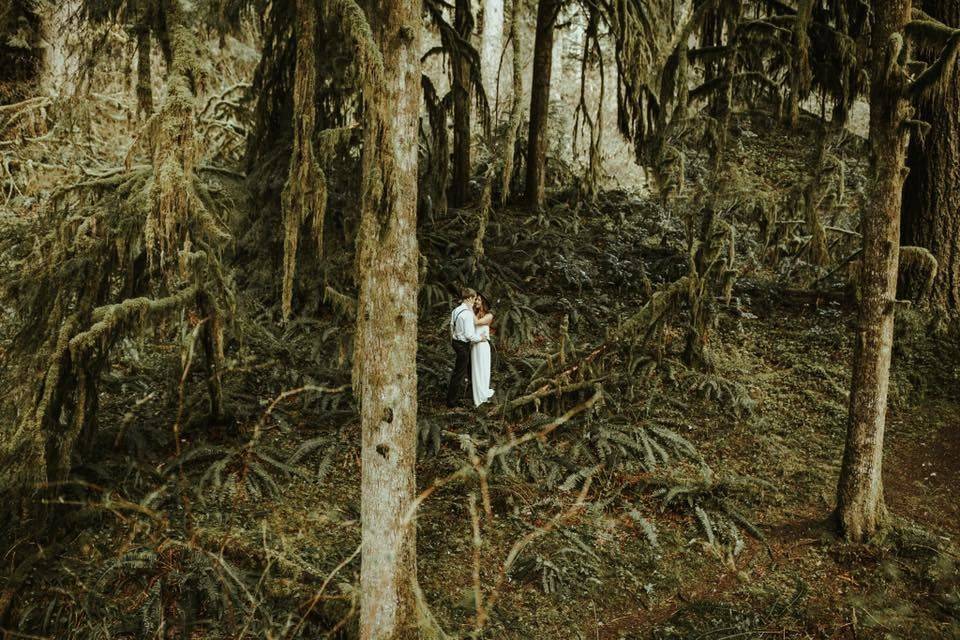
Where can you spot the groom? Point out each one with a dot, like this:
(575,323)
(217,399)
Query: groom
(463,332)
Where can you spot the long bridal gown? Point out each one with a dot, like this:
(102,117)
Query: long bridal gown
(480,368)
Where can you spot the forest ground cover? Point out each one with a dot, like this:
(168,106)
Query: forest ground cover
(262,515)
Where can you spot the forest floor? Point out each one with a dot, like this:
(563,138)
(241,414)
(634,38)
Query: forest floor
(274,509)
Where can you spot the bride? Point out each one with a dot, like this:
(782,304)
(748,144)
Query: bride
(480,354)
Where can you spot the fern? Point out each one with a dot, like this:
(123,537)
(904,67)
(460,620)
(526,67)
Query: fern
(252,467)
(649,531)
(704,520)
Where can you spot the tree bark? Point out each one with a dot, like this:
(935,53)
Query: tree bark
(385,372)
(144,75)
(931,195)
(460,184)
(491,46)
(516,105)
(547,11)
(800,73)
(860,508)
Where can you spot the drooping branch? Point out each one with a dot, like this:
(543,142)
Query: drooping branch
(942,67)
(107,320)
(928,32)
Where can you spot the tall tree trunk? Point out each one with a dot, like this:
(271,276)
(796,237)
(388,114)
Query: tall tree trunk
(800,72)
(860,507)
(516,104)
(385,371)
(931,195)
(491,46)
(547,11)
(459,186)
(144,75)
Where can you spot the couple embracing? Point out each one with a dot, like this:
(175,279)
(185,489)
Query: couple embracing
(470,331)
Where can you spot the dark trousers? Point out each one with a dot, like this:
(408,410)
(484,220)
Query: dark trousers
(461,372)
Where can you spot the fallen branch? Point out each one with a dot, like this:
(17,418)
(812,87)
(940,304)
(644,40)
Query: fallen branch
(548,390)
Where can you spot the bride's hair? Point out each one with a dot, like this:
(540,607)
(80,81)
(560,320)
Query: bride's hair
(483,303)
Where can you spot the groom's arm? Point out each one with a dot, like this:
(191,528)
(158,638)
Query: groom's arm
(467,326)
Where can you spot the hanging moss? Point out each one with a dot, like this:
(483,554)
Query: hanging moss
(108,258)
(436,171)
(305,192)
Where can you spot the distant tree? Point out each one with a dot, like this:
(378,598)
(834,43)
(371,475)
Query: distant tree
(931,195)
(516,103)
(385,369)
(547,12)
(491,45)
(144,70)
(800,72)
(459,186)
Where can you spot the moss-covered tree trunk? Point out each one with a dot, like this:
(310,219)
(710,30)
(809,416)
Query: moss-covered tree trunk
(516,104)
(931,195)
(800,73)
(860,507)
(460,184)
(385,372)
(547,11)
(144,72)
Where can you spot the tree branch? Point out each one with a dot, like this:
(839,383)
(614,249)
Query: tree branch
(939,69)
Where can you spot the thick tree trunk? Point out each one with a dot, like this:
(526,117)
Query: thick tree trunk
(385,372)
(460,184)
(860,507)
(931,195)
(540,102)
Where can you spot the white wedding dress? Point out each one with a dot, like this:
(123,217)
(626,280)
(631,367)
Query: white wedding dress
(480,368)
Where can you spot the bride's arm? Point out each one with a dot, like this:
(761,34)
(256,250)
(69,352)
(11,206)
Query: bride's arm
(485,320)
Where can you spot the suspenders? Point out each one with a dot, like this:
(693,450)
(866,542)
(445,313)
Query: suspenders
(453,323)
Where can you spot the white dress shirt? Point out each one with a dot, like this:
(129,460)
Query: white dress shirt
(462,324)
